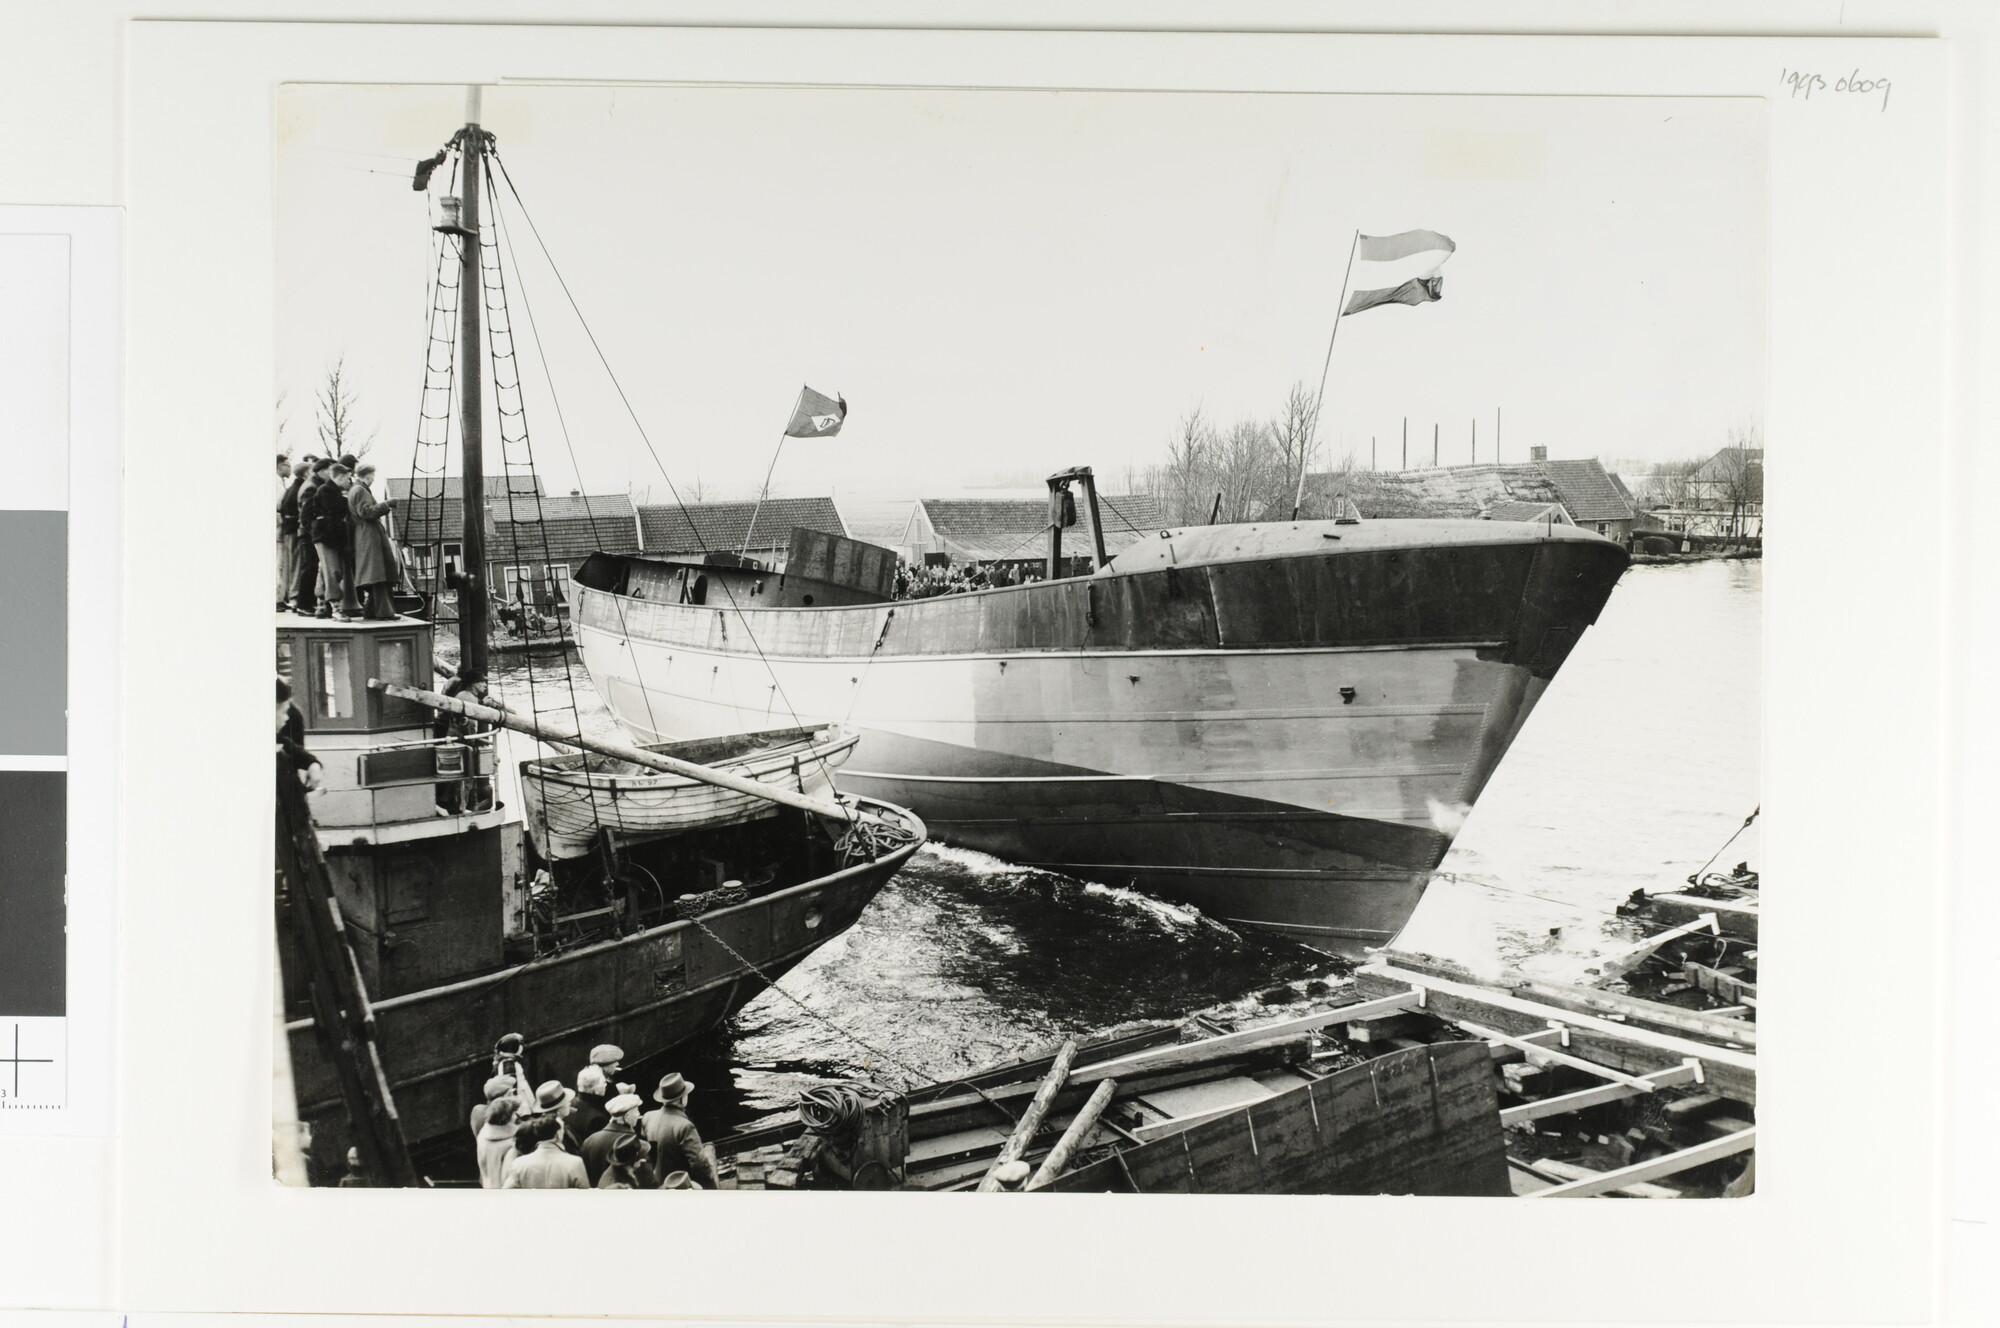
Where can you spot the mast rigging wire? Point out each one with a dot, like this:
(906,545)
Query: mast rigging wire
(777,685)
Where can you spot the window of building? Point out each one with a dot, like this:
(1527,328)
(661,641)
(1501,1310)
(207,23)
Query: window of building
(285,660)
(333,680)
(559,580)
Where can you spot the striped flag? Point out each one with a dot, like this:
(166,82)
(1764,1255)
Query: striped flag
(1398,269)
(817,416)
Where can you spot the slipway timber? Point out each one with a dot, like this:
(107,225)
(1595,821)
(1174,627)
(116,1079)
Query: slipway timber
(1283,724)
(1417,1083)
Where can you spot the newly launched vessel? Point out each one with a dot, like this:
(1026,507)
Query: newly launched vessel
(1284,723)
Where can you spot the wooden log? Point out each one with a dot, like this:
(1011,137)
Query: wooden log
(1636,1051)
(1715,1149)
(1591,1097)
(1058,1159)
(1031,1119)
(1645,1013)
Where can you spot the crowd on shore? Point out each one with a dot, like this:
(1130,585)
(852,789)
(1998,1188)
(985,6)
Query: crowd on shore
(597,1135)
(335,557)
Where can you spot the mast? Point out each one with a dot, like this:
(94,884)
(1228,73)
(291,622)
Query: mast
(473,610)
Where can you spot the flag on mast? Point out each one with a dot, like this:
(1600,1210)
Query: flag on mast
(817,416)
(1399,269)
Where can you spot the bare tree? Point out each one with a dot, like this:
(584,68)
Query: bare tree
(1293,445)
(1246,471)
(283,419)
(1184,481)
(339,431)
(1735,475)
(1673,484)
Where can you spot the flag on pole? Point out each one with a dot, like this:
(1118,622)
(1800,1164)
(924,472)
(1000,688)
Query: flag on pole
(817,416)
(1398,269)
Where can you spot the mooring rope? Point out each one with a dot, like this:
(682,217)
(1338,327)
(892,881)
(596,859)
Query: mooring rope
(1696,878)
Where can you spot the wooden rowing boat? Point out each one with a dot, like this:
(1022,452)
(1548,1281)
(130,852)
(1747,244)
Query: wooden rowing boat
(573,800)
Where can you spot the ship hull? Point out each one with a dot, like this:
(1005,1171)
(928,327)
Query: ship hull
(1284,736)
(647,993)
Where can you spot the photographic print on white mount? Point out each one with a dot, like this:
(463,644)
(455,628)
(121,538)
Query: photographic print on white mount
(872,639)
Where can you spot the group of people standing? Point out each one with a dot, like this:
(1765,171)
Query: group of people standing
(335,557)
(594,1136)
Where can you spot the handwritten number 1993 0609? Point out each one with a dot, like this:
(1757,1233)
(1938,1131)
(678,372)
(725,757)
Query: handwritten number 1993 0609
(1803,84)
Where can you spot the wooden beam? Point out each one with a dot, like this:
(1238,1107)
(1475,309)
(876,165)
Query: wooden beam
(1284,1029)
(1702,1023)
(1622,961)
(1508,1047)
(1733,917)
(1558,1172)
(1723,986)
(1727,1146)
(1591,1097)
(1534,1049)
(1636,1051)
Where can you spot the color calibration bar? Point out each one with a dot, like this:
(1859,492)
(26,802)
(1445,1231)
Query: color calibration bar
(59,374)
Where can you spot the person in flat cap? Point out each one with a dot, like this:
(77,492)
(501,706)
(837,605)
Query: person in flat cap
(608,1058)
(600,1148)
(677,1145)
(499,1086)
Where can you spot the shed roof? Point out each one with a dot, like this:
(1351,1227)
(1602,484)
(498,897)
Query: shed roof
(695,528)
(1587,490)
(1581,487)
(525,528)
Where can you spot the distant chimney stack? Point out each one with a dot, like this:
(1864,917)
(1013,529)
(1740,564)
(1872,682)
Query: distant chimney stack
(1538,454)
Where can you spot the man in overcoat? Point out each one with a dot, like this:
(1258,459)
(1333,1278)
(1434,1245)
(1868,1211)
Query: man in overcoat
(375,568)
(677,1145)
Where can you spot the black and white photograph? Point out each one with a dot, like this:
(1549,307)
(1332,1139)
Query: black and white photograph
(835,639)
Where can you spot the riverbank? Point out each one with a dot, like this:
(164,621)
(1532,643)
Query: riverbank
(1700,556)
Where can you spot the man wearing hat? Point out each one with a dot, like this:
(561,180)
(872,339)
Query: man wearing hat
(677,1145)
(497,1087)
(593,1086)
(627,1169)
(602,1146)
(622,1119)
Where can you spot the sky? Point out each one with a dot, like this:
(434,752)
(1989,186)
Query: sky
(1005,284)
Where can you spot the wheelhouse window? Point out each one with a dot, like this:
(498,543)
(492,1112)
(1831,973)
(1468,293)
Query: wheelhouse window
(396,662)
(333,679)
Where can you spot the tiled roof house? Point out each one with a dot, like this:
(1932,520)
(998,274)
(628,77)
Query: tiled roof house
(764,533)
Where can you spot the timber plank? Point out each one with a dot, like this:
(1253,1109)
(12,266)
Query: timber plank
(1644,1013)
(1634,1051)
